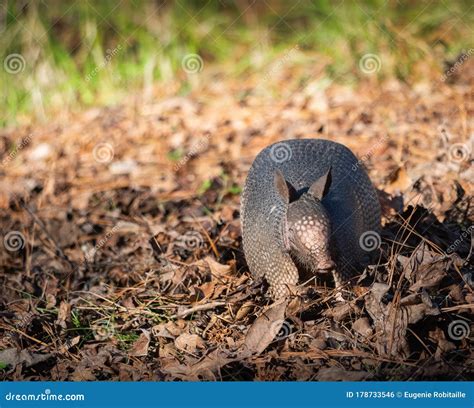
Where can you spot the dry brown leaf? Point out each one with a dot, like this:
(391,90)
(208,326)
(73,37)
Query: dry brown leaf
(424,269)
(220,270)
(83,374)
(163,330)
(265,328)
(189,342)
(362,326)
(12,357)
(341,374)
(340,312)
(69,344)
(63,314)
(140,347)
(400,181)
(443,345)
(246,308)
(204,369)
(207,289)
(391,320)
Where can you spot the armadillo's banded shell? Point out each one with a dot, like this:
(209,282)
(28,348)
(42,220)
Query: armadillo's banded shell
(352,205)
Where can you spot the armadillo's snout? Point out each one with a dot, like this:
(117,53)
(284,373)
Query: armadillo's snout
(325,265)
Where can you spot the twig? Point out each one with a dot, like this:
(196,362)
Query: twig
(14,329)
(198,308)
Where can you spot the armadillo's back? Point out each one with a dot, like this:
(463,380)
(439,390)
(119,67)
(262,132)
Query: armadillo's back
(352,205)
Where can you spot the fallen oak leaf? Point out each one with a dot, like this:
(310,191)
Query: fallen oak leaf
(265,329)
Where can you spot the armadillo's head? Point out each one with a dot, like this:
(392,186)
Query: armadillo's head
(308,224)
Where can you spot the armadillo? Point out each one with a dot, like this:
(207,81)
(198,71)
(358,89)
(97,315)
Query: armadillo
(308,205)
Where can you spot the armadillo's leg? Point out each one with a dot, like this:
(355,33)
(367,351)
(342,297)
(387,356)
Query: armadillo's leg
(279,291)
(339,286)
(282,276)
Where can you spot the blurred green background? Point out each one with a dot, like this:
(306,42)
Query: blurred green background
(73,54)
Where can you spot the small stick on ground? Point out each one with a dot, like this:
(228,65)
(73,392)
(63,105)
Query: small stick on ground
(198,308)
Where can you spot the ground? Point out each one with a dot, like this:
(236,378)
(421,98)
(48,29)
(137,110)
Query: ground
(122,256)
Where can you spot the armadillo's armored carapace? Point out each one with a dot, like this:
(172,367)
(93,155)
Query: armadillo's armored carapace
(307,203)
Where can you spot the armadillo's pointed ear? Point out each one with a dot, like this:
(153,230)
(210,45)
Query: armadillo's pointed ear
(321,186)
(283,187)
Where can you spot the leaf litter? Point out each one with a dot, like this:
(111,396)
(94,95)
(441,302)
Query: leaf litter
(129,264)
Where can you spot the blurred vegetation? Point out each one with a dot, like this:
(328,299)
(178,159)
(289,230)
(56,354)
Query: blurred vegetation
(83,53)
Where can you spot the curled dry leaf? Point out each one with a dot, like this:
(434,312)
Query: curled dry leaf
(207,289)
(340,312)
(219,270)
(362,326)
(63,314)
(424,269)
(69,344)
(392,320)
(244,310)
